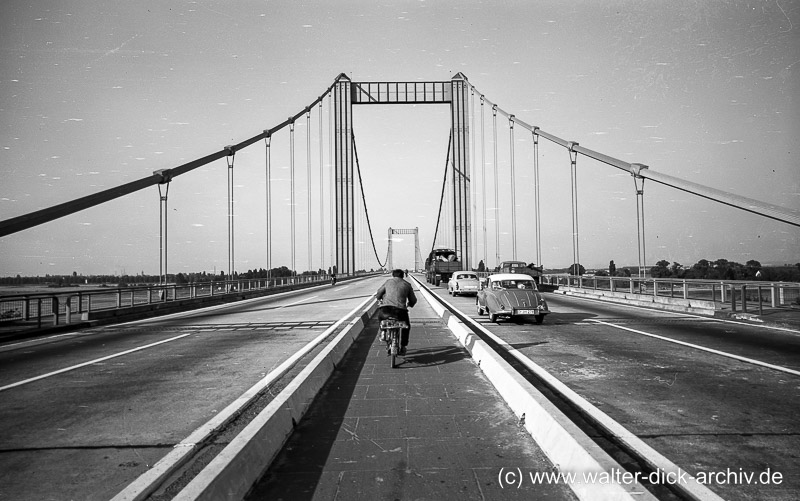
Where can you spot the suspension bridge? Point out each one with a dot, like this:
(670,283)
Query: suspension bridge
(470,202)
(268,389)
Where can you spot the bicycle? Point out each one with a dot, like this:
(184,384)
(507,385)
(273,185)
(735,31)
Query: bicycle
(390,334)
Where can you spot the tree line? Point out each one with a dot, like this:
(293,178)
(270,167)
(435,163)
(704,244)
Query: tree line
(144,279)
(720,269)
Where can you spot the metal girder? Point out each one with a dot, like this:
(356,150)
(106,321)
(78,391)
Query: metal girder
(401,92)
(417,252)
(344,173)
(347,93)
(459,112)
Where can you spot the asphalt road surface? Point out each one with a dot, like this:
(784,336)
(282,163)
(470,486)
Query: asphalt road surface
(85,413)
(731,421)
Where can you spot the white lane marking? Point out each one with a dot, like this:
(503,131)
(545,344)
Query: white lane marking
(690,315)
(296,302)
(37,341)
(703,348)
(694,489)
(97,360)
(169,463)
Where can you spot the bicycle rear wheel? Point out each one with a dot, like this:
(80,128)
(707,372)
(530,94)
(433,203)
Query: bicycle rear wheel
(394,347)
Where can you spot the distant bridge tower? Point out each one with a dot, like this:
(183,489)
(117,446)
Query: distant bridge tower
(345,95)
(417,254)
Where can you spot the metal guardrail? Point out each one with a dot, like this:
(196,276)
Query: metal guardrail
(739,295)
(57,307)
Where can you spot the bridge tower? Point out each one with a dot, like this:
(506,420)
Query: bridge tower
(343,175)
(417,254)
(346,94)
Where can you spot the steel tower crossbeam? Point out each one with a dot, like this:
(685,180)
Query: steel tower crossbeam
(417,252)
(345,95)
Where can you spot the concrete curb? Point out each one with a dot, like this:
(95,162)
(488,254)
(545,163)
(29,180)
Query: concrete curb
(678,305)
(232,473)
(694,306)
(570,449)
(563,446)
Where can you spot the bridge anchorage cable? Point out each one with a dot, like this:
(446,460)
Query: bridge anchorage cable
(268,201)
(231,155)
(483,184)
(513,188)
(291,193)
(163,214)
(638,183)
(308,186)
(536,204)
(473,195)
(573,159)
(496,193)
(321,195)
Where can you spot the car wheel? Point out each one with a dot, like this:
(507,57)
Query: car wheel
(492,317)
(539,318)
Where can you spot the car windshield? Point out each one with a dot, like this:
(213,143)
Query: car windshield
(514,284)
(467,276)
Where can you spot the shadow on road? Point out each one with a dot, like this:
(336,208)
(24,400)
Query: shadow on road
(296,471)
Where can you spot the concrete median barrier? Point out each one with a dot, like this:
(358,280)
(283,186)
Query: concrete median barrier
(239,465)
(567,447)
(694,306)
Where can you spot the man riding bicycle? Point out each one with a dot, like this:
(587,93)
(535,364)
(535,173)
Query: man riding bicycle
(397,296)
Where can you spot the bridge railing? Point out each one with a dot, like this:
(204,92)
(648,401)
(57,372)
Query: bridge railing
(740,295)
(36,310)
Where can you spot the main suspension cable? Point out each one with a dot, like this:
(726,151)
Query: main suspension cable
(783,214)
(364,200)
(441,198)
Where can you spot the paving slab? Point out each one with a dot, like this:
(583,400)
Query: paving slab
(432,428)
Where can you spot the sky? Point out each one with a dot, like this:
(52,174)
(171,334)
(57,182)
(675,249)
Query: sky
(97,94)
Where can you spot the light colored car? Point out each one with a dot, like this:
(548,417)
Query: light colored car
(512,296)
(463,282)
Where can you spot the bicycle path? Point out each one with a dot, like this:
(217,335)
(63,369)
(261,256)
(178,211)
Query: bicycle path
(432,428)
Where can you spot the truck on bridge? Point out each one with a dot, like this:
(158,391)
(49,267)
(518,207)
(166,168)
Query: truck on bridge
(440,265)
(521,267)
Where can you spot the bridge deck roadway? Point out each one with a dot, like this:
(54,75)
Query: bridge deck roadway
(432,428)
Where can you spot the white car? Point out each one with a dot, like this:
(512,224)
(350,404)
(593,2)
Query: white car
(463,282)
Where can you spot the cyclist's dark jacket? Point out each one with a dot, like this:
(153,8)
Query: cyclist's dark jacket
(395,292)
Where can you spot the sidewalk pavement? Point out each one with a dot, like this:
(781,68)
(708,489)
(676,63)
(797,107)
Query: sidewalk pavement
(432,428)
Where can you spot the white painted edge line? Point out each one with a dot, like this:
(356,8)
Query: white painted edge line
(703,348)
(91,362)
(150,480)
(25,343)
(567,447)
(234,470)
(656,460)
(685,314)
